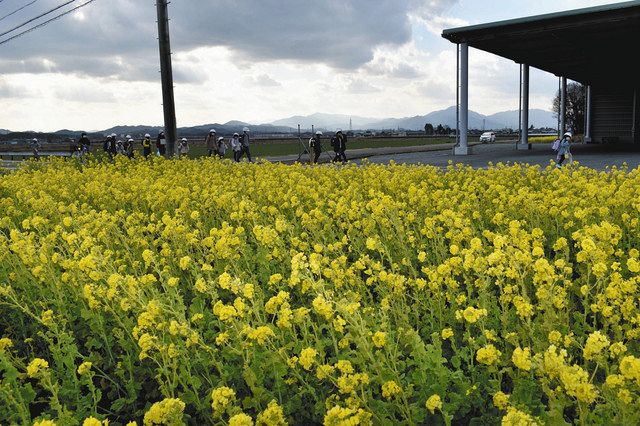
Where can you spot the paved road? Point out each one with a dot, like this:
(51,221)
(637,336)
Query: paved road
(599,157)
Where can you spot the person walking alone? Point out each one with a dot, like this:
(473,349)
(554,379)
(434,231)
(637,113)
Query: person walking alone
(564,150)
(146,145)
(212,143)
(245,141)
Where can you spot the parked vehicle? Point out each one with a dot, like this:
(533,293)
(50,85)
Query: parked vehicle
(488,137)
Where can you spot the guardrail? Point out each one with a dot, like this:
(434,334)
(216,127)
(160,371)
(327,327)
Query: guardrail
(25,155)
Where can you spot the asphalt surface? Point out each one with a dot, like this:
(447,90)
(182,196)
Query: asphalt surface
(596,156)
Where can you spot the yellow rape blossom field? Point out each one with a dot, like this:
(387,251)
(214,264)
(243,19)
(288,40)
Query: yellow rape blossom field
(205,292)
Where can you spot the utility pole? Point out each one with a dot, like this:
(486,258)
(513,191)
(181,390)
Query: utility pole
(166,73)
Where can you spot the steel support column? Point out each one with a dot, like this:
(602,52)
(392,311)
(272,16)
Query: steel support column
(462,148)
(587,117)
(523,143)
(563,105)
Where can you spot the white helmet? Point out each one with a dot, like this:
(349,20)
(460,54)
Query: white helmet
(147,135)
(34,140)
(130,140)
(246,129)
(212,131)
(568,134)
(113,135)
(184,139)
(235,134)
(220,139)
(319,133)
(128,137)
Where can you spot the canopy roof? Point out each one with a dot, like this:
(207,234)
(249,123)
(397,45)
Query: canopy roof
(596,45)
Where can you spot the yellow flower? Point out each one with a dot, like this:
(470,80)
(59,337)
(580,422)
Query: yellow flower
(185,262)
(342,416)
(488,355)
(240,420)
(222,398)
(379,339)
(596,343)
(522,358)
(44,423)
(472,315)
(307,358)
(47,317)
(434,403)
(5,343)
(271,416)
(36,366)
(446,333)
(501,400)
(169,411)
(390,389)
(515,417)
(91,421)
(84,368)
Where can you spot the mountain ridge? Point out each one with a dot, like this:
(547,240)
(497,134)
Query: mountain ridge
(331,122)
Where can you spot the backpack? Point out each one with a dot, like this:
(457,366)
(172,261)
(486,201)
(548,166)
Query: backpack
(555,145)
(334,142)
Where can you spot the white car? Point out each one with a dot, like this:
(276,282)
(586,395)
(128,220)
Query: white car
(488,137)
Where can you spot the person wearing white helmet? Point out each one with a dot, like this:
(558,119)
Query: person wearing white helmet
(146,145)
(128,147)
(222,147)
(245,141)
(315,143)
(212,143)
(183,147)
(564,150)
(236,146)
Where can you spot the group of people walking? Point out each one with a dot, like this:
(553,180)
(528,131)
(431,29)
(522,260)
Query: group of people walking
(338,143)
(240,145)
(216,145)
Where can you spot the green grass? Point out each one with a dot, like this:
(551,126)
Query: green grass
(274,148)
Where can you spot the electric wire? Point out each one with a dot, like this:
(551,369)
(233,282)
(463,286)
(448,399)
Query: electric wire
(37,17)
(17,10)
(42,24)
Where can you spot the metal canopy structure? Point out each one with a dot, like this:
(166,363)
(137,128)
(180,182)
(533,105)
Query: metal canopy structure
(594,46)
(589,45)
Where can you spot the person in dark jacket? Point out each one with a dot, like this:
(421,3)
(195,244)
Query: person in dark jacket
(84,143)
(315,144)
(340,147)
(161,144)
(245,142)
(212,143)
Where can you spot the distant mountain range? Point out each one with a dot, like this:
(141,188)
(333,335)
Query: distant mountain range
(332,122)
(500,120)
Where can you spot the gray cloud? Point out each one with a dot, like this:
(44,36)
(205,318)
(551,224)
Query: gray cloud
(118,38)
(263,80)
(358,87)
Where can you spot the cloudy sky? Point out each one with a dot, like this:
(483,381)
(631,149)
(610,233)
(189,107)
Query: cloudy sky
(253,60)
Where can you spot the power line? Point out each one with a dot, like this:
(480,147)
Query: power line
(17,10)
(55,18)
(37,17)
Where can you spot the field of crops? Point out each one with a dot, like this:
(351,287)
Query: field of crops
(205,292)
